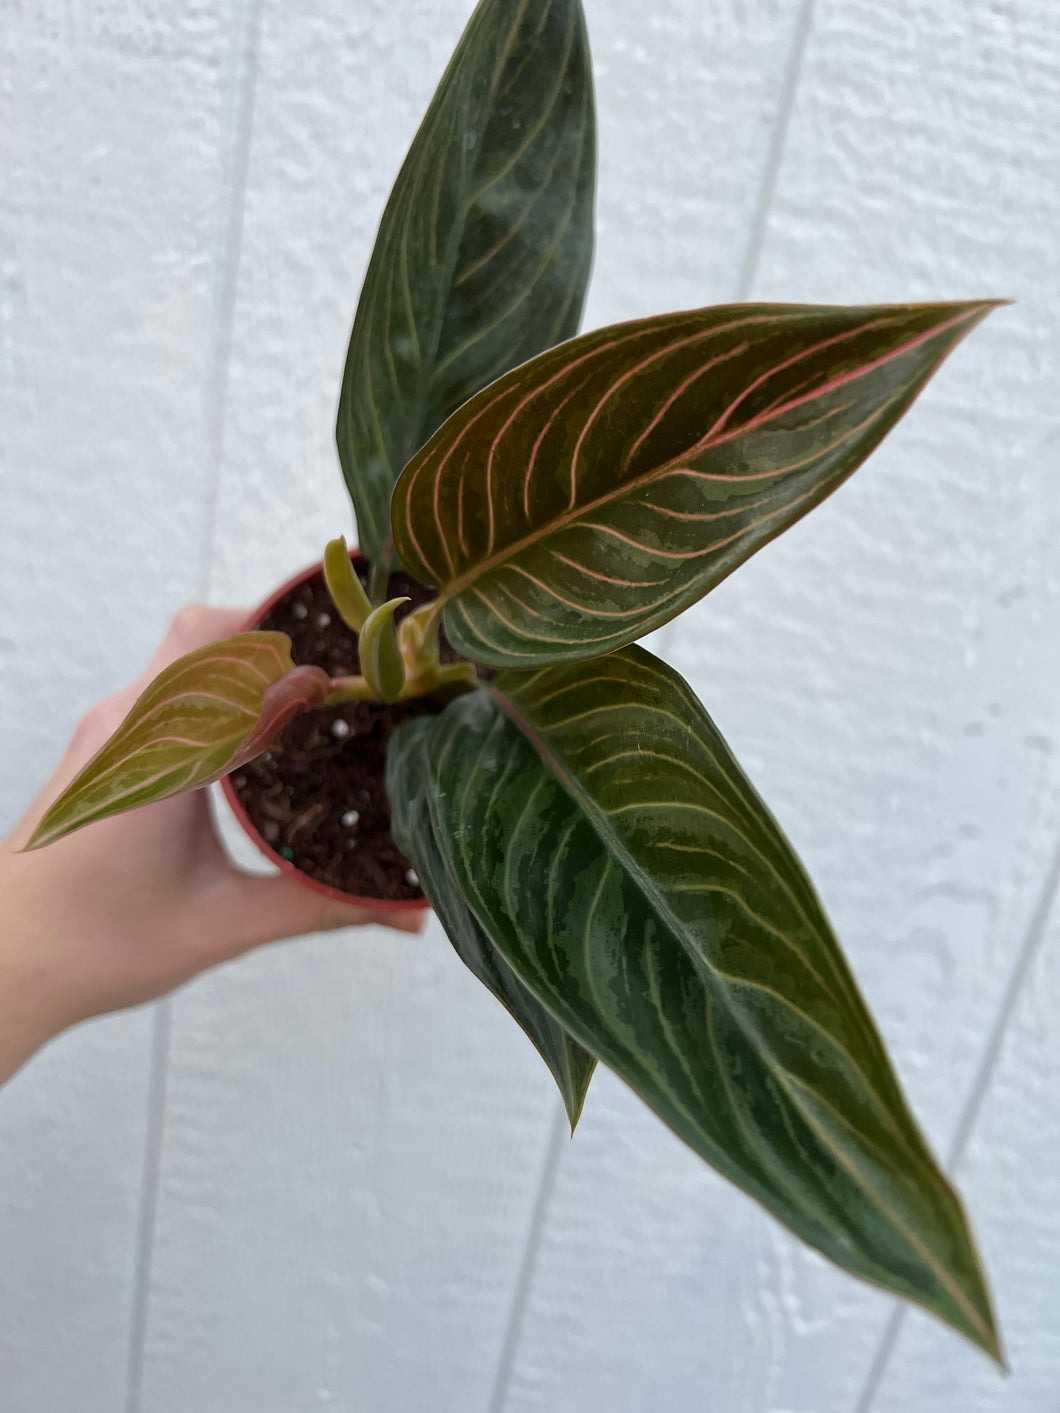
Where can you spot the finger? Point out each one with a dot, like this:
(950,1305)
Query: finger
(194,627)
(249,911)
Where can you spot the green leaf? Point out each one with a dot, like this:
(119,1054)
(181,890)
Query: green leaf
(380,657)
(202,717)
(346,590)
(597,491)
(483,253)
(606,839)
(407,786)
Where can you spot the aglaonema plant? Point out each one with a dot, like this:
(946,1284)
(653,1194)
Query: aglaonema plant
(592,848)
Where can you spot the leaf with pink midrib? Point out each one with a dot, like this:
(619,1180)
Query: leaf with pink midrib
(200,718)
(592,494)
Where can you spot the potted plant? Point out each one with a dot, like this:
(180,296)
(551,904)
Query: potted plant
(529,503)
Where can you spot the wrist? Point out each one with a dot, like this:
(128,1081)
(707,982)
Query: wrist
(32,1010)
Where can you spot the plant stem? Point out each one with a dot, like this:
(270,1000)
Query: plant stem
(453,674)
(377,584)
(349,689)
(433,620)
(417,643)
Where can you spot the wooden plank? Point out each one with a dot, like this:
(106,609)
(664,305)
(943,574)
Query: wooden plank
(887,674)
(110,125)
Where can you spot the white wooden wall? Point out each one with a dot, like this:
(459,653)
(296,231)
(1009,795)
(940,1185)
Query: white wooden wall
(333,1176)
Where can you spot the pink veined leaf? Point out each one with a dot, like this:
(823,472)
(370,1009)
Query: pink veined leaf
(591,494)
(202,717)
(297,691)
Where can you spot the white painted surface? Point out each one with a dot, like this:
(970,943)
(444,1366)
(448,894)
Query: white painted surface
(354,1196)
(112,123)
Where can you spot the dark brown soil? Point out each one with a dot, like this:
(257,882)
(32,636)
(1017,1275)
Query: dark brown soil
(318,795)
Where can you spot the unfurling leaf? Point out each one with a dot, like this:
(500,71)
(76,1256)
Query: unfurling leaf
(346,590)
(377,647)
(200,718)
(483,254)
(609,845)
(408,777)
(595,492)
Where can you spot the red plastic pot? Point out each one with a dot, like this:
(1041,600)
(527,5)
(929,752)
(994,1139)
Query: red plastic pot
(381,906)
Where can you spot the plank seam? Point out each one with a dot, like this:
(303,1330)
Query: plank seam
(156,1102)
(775,157)
(228,241)
(525,1279)
(1037,929)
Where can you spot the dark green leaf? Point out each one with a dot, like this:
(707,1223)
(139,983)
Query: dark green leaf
(202,717)
(483,254)
(604,835)
(598,490)
(407,785)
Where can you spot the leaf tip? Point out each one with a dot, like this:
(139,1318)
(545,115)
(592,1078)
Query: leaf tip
(50,827)
(973,312)
(967,1308)
(990,1340)
(346,590)
(574,1093)
(980,308)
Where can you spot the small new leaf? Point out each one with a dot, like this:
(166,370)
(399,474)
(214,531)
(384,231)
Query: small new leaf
(595,492)
(483,253)
(408,784)
(346,590)
(605,838)
(382,666)
(202,717)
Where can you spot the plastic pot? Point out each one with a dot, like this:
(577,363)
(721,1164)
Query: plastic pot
(381,906)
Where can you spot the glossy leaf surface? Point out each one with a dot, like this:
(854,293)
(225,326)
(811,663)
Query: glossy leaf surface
(377,649)
(346,590)
(202,717)
(408,776)
(623,864)
(590,495)
(483,253)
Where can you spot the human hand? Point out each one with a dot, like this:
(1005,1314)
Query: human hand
(123,911)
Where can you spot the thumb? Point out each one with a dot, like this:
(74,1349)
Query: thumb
(252,910)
